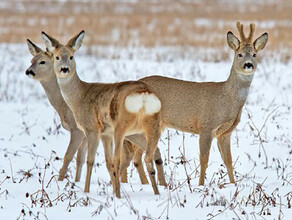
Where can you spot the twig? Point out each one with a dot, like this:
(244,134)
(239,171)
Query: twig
(184,164)
(11,171)
(258,131)
(280,211)
(128,200)
(6,178)
(168,146)
(31,213)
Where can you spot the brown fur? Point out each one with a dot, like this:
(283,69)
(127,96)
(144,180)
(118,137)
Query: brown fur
(210,109)
(46,76)
(132,152)
(91,107)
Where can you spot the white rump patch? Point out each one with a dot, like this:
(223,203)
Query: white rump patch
(135,102)
(151,103)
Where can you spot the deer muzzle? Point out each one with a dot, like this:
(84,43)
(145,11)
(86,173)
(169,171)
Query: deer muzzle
(248,67)
(29,73)
(64,70)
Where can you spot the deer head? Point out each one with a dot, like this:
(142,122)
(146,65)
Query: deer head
(245,59)
(63,55)
(41,64)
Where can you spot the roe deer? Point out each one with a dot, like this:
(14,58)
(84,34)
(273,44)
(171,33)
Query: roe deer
(210,109)
(110,111)
(42,70)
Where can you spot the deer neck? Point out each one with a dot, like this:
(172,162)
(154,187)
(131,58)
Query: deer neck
(72,90)
(53,93)
(237,85)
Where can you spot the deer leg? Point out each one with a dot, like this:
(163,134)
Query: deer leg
(152,131)
(125,157)
(140,141)
(225,151)
(137,160)
(76,138)
(80,159)
(92,140)
(150,168)
(205,145)
(159,167)
(119,139)
(108,153)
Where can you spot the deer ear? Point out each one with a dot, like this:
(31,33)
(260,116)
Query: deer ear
(261,42)
(50,42)
(232,41)
(75,42)
(50,54)
(33,49)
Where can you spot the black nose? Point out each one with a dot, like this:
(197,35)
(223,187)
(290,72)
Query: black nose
(248,66)
(29,72)
(64,69)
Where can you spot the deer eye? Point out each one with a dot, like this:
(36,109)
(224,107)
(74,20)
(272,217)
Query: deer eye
(71,58)
(239,55)
(254,55)
(42,62)
(57,58)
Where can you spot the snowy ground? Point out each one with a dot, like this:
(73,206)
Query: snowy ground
(32,147)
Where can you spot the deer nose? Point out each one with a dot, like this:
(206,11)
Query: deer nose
(64,69)
(248,66)
(29,72)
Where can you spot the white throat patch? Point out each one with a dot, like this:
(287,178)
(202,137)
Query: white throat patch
(243,92)
(246,77)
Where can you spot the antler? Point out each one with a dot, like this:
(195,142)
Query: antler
(240,30)
(251,32)
(246,40)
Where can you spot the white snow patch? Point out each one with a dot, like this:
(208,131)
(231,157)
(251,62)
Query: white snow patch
(31,141)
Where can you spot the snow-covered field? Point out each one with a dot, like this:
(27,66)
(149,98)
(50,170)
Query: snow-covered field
(32,146)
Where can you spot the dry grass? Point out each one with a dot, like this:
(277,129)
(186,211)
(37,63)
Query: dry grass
(146,23)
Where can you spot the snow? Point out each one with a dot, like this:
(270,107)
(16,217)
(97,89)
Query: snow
(32,146)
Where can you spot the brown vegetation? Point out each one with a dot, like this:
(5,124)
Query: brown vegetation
(145,23)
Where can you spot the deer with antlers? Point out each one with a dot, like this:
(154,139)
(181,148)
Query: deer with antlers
(107,111)
(211,109)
